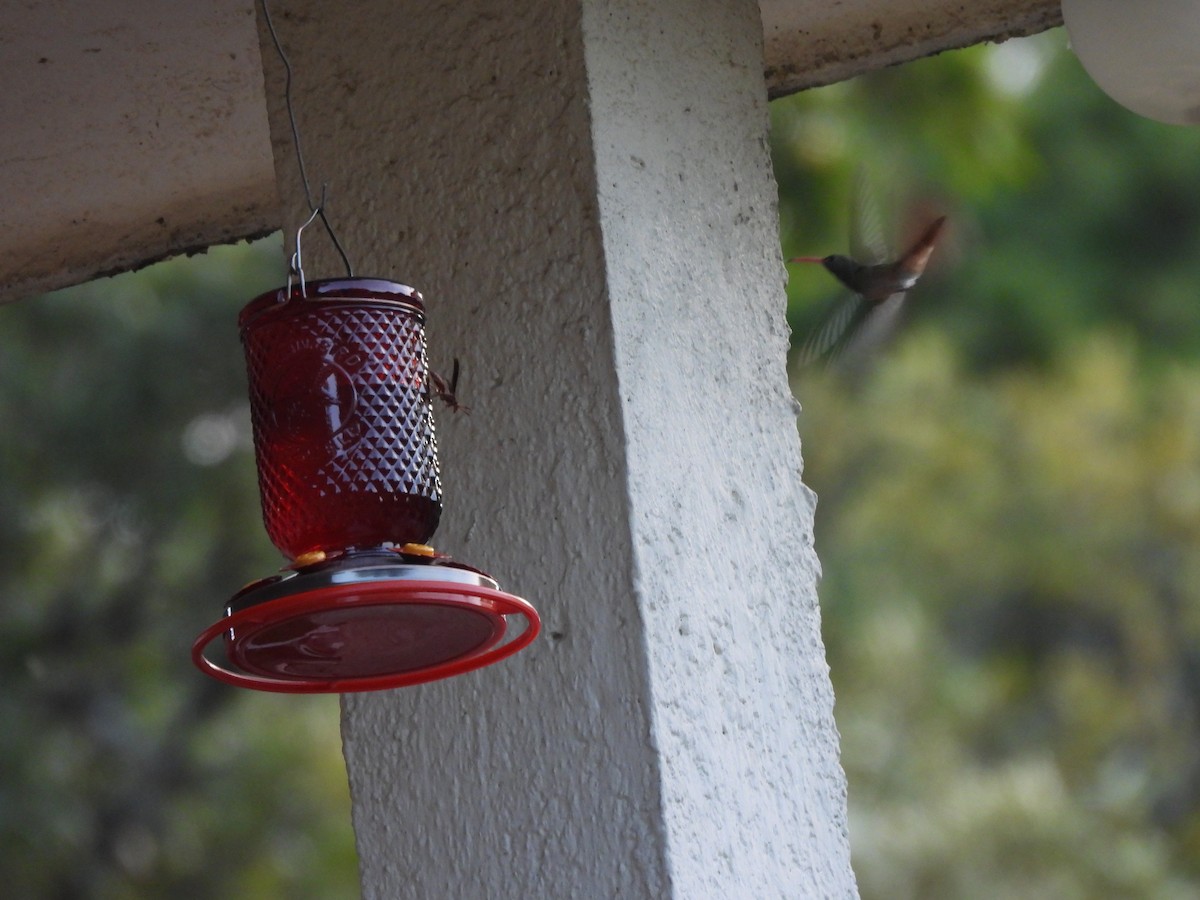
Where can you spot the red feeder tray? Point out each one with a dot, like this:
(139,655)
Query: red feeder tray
(347,470)
(365,622)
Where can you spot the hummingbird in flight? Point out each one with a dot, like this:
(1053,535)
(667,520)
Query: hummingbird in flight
(877,288)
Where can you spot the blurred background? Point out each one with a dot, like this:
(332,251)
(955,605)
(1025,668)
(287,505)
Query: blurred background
(1009,503)
(128,516)
(1009,524)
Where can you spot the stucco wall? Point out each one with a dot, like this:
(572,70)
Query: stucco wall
(753,794)
(809,44)
(132,132)
(585,196)
(136,131)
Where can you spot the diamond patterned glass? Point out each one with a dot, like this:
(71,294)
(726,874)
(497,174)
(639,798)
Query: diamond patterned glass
(343,424)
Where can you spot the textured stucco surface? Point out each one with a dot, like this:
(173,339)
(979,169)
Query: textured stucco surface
(456,143)
(592,220)
(815,43)
(753,793)
(134,131)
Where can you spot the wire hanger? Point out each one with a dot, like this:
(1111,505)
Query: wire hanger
(316,210)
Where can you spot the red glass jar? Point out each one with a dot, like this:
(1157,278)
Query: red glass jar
(343,424)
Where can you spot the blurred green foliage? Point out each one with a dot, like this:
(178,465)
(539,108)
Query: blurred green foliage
(1009,516)
(128,516)
(1009,526)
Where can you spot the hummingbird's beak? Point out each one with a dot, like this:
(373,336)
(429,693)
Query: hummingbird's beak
(812,259)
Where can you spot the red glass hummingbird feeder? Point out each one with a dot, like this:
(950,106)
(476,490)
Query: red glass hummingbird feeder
(344,438)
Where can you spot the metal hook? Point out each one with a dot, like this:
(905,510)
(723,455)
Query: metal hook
(297,265)
(317,210)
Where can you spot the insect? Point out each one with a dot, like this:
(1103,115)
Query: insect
(446,390)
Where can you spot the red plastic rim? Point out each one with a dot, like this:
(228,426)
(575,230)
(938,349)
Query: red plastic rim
(366,637)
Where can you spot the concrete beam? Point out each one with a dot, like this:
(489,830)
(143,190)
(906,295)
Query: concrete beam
(132,132)
(811,44)
(137,131)
(583,191)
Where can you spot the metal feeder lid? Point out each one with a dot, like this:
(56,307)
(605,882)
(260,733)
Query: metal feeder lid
(365,621)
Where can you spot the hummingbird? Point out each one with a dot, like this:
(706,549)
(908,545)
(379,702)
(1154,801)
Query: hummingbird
(878,289)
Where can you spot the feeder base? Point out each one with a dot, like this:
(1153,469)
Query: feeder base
(364,622)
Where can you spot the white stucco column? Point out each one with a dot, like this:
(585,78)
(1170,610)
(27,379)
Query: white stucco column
(582,190)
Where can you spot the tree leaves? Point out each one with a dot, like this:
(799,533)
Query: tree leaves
(1010,505)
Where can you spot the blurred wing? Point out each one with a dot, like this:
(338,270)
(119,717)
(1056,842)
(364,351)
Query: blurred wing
(853,332)
(842,319)
(873,331)
(869,241)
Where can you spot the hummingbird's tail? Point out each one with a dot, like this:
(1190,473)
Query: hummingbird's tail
(915,260)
